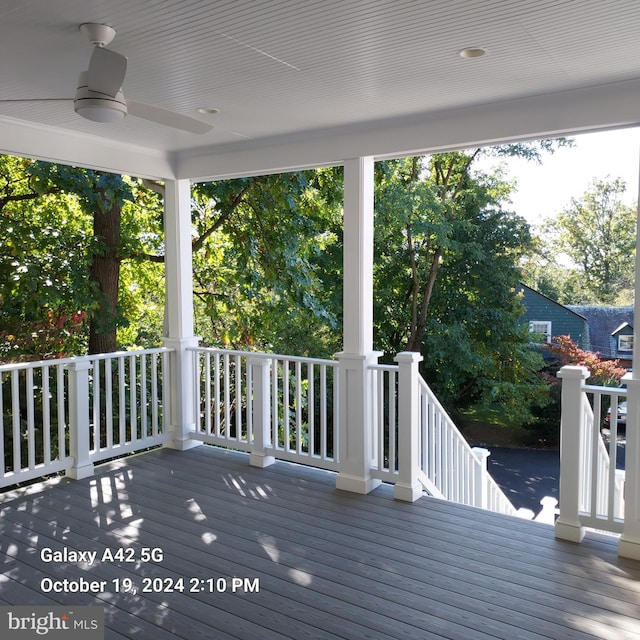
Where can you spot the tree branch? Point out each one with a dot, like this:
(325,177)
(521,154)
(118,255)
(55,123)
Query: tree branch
(196,245)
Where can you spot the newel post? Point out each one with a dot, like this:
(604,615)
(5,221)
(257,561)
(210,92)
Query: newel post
(79,419)
(261,406)
(568,526)
(481,471)
(408,487)
(629,544)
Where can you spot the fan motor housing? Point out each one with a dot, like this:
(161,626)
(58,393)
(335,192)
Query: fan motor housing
(98,107)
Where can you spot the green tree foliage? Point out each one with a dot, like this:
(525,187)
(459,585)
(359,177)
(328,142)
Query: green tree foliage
(44,291)
(267,259)
(267,255)
(541,272)
(70,238)
(101,197)
(445,276)
(597,232)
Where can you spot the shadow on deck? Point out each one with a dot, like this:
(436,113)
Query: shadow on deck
(309,561)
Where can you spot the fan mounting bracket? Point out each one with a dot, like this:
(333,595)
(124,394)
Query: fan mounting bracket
(99,35)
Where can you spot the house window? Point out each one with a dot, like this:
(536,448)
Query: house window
(625,343)
(542,328)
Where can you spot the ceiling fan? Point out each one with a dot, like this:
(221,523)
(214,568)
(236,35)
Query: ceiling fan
(99,95)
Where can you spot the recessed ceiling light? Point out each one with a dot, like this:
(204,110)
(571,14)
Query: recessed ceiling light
(208,110)
(472,52)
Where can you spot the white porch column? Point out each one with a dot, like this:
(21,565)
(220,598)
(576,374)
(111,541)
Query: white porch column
(179,311)
(629,545)
(356,439)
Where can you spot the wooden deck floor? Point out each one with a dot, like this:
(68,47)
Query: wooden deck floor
(330,565)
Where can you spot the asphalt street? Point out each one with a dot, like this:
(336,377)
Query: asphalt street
(528,475)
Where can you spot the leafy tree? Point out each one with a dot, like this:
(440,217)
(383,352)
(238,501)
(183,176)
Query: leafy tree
(101,197)
(261,269)
(602,372)
(446,254)
(71,237)
(44,289)
(541,272)
(597,232)
(544,429)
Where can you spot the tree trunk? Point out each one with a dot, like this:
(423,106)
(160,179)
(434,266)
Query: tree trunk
(414,343)
(104,274)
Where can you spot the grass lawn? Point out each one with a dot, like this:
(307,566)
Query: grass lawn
(488,426)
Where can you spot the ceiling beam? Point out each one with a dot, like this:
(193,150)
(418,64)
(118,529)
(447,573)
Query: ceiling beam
(62,146)
(571,112)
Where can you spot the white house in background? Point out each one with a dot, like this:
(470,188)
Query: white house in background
(289,85)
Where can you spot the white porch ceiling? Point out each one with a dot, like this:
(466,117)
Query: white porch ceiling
(310,82)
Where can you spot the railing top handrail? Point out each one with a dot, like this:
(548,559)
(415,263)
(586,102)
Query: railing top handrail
(384,367)
(614,391)
(56,362)
(262,354)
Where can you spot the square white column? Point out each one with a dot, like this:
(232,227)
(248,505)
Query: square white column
(179,312)
(356,437)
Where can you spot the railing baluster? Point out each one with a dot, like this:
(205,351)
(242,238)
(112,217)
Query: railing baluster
(393,420)
(122,403)
(275,405)
(31,432)
(311,426)
(108,396)
(238,396)
(216,394)
(154,394)
(46,417)
(133,401)
(227,396)
(285,403)
(2,454)
(249,403)
(298,386)
(323,411)
(143,398)
(378,419)
(62,421)
(97,421)
(15,410)
(207,393)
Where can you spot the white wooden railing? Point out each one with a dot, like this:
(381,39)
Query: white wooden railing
(65,415)
(591,485)
(602,487)
(447,467)
(273,406)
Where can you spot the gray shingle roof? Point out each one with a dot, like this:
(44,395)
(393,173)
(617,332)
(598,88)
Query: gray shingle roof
(603,322)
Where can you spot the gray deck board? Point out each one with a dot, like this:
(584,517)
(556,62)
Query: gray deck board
(331,565)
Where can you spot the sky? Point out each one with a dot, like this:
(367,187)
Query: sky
(544,190)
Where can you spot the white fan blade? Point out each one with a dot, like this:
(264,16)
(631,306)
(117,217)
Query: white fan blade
(106,71)
(167,118)
(16,100)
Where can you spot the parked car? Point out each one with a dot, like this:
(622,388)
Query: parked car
(622,415)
